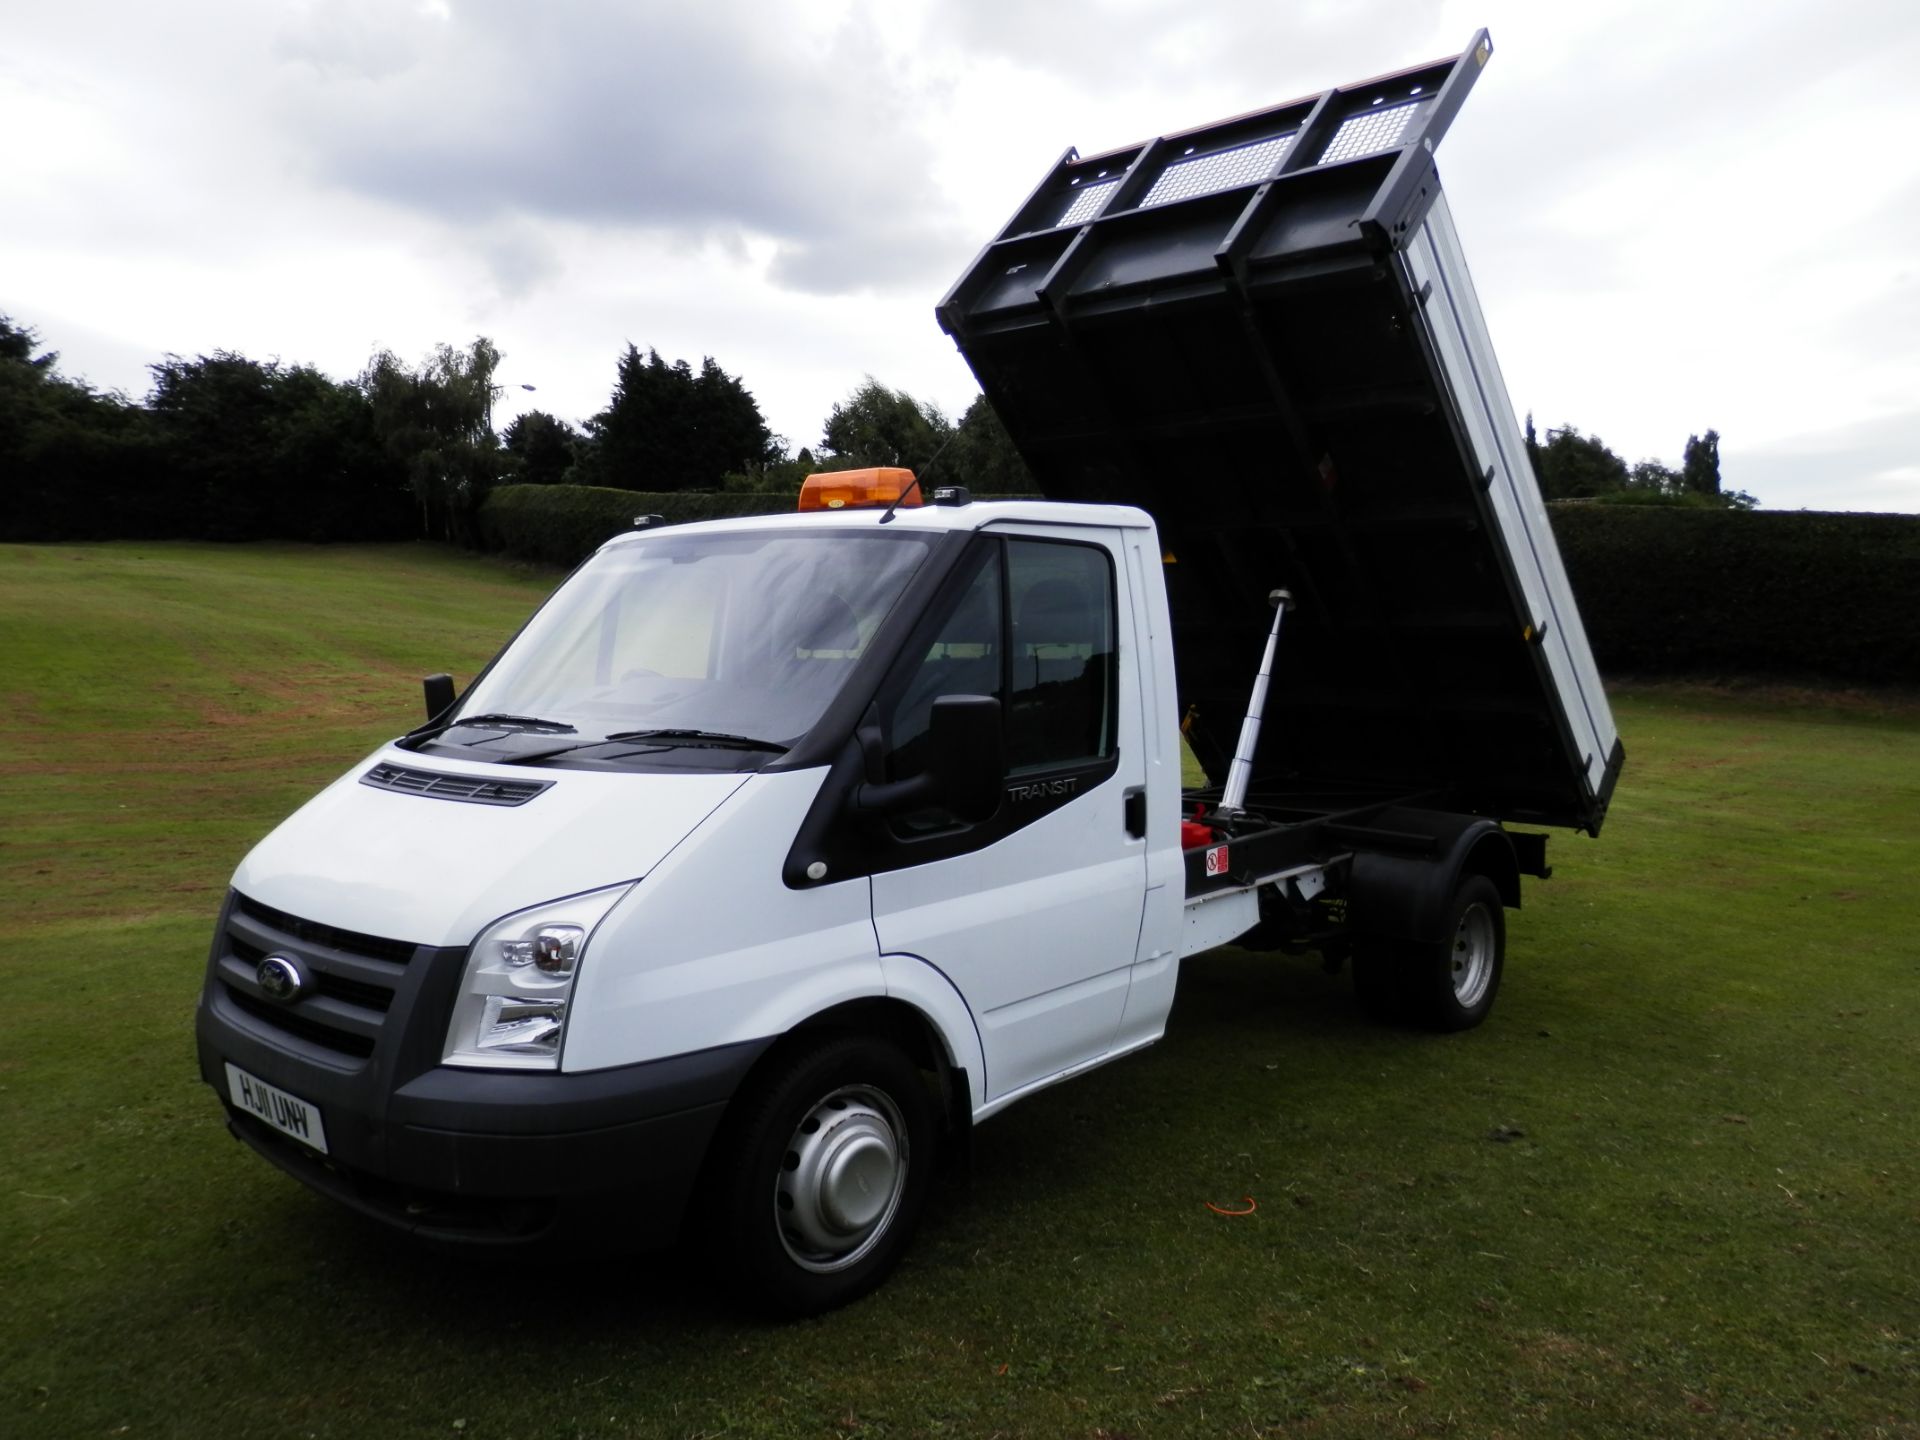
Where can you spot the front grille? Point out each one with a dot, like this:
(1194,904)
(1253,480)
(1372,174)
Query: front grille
(340,987)
(438,785)
(292,1022)
(313,932)
(352,978)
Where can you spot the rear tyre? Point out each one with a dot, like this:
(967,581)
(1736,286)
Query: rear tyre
(1440,985)
(1452,983)
(822,1174)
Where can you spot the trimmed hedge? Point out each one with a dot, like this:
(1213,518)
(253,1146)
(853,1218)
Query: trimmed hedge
(1788,593)
(563,524)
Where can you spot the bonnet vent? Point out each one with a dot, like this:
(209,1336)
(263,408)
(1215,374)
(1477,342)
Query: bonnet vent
(474,789)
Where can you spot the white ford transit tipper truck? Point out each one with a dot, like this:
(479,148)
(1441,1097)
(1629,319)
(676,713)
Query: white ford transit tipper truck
(773,854)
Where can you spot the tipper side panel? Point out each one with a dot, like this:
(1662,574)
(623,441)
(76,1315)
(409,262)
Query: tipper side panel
(1236,329)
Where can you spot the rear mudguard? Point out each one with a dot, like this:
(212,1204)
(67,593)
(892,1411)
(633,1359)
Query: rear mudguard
(1406,892)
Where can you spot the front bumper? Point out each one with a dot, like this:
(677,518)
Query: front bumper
(450,1153)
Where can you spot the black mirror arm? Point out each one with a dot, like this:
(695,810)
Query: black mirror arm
(873,748)
(894,796)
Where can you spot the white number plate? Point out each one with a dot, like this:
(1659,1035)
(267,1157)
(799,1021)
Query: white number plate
(288,1114)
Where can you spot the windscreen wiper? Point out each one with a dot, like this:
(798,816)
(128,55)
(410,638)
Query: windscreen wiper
(515,722)
(703,737)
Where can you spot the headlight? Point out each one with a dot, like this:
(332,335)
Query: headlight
(512,1008)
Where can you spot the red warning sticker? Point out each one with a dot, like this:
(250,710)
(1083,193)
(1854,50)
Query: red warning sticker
(1217,860)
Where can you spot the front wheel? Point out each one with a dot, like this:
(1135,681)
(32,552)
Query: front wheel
(823,1173)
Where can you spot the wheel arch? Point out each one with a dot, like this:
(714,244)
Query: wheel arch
(1491,854)
(1405,894)
(891,1018)
(917,1034)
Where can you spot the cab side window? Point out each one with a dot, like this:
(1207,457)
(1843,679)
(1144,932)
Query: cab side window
(965,658)
(1060,704)
(1035,629)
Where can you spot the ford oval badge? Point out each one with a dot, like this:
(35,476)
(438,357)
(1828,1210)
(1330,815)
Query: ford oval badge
(280,979)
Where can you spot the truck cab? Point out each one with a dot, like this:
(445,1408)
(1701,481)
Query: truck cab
(739,792)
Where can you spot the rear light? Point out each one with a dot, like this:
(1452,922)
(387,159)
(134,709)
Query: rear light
(858,489)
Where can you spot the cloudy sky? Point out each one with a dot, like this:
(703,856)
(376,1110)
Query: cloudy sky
(1679,214)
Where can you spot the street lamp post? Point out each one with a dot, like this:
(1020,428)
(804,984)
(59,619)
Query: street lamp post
(493,390)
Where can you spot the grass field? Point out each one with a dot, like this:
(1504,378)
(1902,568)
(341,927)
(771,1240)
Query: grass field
(1672,1187)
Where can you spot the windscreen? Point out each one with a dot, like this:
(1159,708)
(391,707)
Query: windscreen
(740,633)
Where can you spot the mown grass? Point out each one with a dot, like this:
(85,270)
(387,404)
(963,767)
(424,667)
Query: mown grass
(1670,1188)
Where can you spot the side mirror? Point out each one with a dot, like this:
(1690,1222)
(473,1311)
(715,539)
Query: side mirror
(439,690)
(969,755)
(967,766)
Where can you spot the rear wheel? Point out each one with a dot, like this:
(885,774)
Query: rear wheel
(823,1173)
(1447,984)
(1454,981)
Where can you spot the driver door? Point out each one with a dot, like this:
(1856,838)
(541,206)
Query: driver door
(1033,914)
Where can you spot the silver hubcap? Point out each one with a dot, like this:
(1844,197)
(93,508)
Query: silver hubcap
(1472,956)
(840,1180)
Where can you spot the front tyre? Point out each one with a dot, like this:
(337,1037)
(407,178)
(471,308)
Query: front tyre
(823,1173)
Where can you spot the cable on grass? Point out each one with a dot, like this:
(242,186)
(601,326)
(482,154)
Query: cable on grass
(1251,1207)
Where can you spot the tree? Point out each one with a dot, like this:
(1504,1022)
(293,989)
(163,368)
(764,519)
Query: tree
(626,435)
(259,449)
(1700,472)
(1575,466)
(983,457)
(77,464)
(217,414)
(727,429)
(668,428)
(1654,478)
(1700,464)
(1572,466)
(17,344)
(541,446)
(436,424)
(876,425)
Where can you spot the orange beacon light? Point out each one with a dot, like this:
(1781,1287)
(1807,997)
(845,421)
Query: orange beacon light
(858,489)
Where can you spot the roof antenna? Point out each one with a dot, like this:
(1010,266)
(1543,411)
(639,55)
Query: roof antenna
(914,484)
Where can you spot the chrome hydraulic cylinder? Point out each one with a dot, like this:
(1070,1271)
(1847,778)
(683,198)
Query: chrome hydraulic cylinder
(1240,774)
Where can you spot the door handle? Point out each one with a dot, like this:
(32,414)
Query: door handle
(1136,807)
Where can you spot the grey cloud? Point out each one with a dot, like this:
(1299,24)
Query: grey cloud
(520,258)
(1638,96)
(704,121)
(1888,323)
(356,39)
(1274,52)
(1640,91)
(1871,465)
